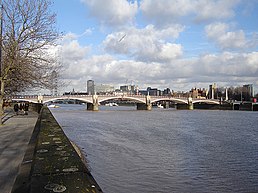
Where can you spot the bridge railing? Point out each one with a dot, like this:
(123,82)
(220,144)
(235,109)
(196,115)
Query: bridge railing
(101,96)
(21,96)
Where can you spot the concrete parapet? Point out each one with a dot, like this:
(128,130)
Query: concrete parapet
(255,107)
(206,106)
(51,163)
(246,107)
(182,106)
(36,107)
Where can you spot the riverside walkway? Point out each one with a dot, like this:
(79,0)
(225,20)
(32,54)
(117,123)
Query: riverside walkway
(14,138)
(37,157)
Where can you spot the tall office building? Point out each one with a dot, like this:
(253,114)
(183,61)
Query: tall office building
(90,87)
(247,92)
(212,89)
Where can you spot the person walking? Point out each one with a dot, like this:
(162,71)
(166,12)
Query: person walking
(16,108)
(26,108)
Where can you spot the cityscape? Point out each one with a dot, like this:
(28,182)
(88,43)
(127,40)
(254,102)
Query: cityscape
(243,93)
(128,96)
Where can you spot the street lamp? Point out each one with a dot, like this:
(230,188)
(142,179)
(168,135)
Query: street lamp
(1,77)
(1,39)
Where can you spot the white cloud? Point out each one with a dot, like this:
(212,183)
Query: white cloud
(214,10)
(153,55)
(225,69)
(230,66)
(165,12)
(155,61)
(151,43)
(112,12)
(72,51)
(225,39)
(68,37)
(252,62)
(72,36)
(147,44)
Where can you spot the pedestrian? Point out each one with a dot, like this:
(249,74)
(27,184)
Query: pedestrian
(21,107)
(26,108)
(16,108)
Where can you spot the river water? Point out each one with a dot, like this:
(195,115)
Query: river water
(166,150)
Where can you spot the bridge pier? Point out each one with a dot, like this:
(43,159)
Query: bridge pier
(166,105)
(94,106)
(185,106)
(40,99)
(190,103)
(143,106)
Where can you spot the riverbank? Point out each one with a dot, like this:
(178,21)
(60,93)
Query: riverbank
(49,161)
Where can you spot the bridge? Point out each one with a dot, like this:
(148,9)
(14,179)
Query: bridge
(93,101)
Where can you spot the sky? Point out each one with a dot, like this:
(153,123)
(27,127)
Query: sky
(176,44)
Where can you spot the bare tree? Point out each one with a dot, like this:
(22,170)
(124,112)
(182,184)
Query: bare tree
(27,34)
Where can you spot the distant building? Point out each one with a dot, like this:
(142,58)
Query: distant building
(167,92)
(198,93)
(154,91)
(104,89)
(180,94)
(75,93)
(130,89)
(212,89)
(151,91)
(137,90)
(247,92)
(90,87)
(194,93)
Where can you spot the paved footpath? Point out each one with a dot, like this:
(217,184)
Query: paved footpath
(15,134)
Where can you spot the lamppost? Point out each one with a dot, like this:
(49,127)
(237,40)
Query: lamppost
(1,39)
(1,77)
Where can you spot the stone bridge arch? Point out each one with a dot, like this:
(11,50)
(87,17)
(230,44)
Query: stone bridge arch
(177,100)
(25,100)
(139,100)
(206,101)
(67,98)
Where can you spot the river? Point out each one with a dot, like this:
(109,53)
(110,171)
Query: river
(166,150)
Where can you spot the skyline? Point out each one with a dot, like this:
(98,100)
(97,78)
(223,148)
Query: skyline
(158,43)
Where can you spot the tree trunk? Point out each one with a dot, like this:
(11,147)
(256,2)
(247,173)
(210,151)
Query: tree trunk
(1,102)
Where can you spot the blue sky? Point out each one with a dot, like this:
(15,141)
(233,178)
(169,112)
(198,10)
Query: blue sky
(178,44)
